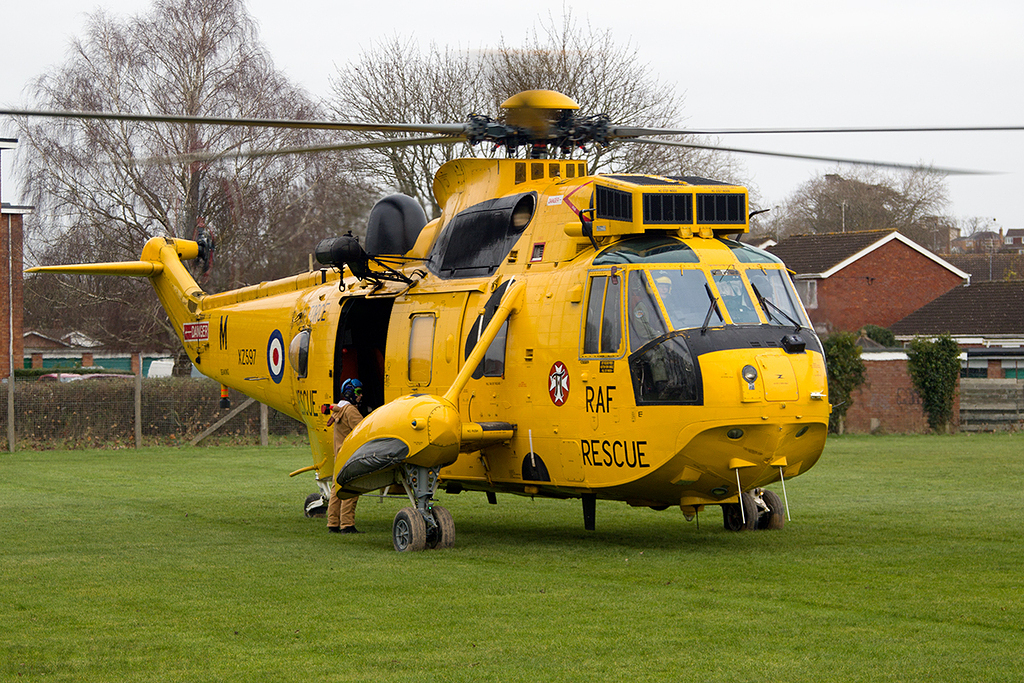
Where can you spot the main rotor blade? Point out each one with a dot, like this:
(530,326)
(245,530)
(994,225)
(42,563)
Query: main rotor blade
(436,128)
(631,132)
(388,142)
(812,157)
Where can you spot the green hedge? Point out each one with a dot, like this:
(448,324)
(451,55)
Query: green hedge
(934,367)
(845,373)
(101,413)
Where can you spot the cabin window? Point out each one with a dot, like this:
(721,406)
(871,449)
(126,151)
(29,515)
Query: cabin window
(745,253)
(773,285)
(478,239)
(603,327)
(643,312)
(735,297)
(684,294)
(421,348)
(647,249)
(665,373)
(494,358)
(298,353)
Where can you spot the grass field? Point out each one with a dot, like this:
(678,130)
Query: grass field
(904,561)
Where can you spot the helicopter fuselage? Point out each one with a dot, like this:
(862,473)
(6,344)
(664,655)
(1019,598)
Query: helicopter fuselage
(668,366)
(628,350)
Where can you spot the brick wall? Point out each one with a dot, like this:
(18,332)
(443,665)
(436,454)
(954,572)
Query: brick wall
(887,402)
(11,293)
(881,288)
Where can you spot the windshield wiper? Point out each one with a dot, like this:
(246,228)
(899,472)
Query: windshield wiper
(711,309)
(767,305)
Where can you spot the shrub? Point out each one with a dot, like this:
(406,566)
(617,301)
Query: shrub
(845,373)
(879,334)
(934,367)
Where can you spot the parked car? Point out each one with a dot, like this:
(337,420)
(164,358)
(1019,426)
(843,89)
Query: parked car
(59,377)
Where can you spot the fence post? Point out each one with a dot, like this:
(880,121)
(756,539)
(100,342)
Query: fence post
(264,425)
(138,404)
(10,412)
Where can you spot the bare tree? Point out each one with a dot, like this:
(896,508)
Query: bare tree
(605,77)
(394,82)
(866,199)
(102,188)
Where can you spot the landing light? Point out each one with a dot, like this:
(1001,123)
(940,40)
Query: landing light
(749,373)
(735,432)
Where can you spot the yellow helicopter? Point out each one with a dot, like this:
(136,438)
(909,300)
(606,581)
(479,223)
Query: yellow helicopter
(553,333)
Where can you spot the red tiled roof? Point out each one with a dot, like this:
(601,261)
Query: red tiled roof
(989,266)
(817,253)
(983,308)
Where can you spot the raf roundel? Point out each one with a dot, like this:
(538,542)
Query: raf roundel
(275,356)
(558,383)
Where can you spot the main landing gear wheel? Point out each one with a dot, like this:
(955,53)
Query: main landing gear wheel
(740,520)
(424,525)
(409,532)
(315,505)
(443,535)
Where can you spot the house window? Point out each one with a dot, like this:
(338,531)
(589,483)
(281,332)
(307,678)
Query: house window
(807,290)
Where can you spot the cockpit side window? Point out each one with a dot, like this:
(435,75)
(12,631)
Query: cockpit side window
(603,328)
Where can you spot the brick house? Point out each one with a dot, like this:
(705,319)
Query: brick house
(1013,240)
(986,319)
(11,288)
(46,351)
(848,280)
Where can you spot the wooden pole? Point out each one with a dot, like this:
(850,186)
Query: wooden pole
(138,404)
(220,423)
(264,425)
(10,339)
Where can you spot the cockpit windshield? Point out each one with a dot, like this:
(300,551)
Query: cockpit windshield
(687,301)
(777,296)
(734,295)
(685,295)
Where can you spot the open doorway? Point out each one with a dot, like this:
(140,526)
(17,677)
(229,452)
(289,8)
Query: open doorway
(359,351)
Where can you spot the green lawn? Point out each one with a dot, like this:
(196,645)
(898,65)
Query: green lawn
(904,561)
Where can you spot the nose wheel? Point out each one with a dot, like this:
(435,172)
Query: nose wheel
(762,509)
(424,525)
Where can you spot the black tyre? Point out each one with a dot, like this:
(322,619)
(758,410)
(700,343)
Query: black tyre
(775,516)
(444,535)
(409,532)
(315,505)
(733,517)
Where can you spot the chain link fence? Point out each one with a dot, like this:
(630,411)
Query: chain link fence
(100,413)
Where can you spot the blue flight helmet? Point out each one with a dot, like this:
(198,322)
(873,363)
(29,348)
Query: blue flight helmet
(349,389)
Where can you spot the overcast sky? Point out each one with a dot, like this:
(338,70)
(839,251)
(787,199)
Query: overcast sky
(743,63)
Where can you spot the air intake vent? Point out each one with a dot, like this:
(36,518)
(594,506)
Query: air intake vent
(612,204)
(668,208)
(721,208)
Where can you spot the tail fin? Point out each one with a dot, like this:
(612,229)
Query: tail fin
(161,262)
